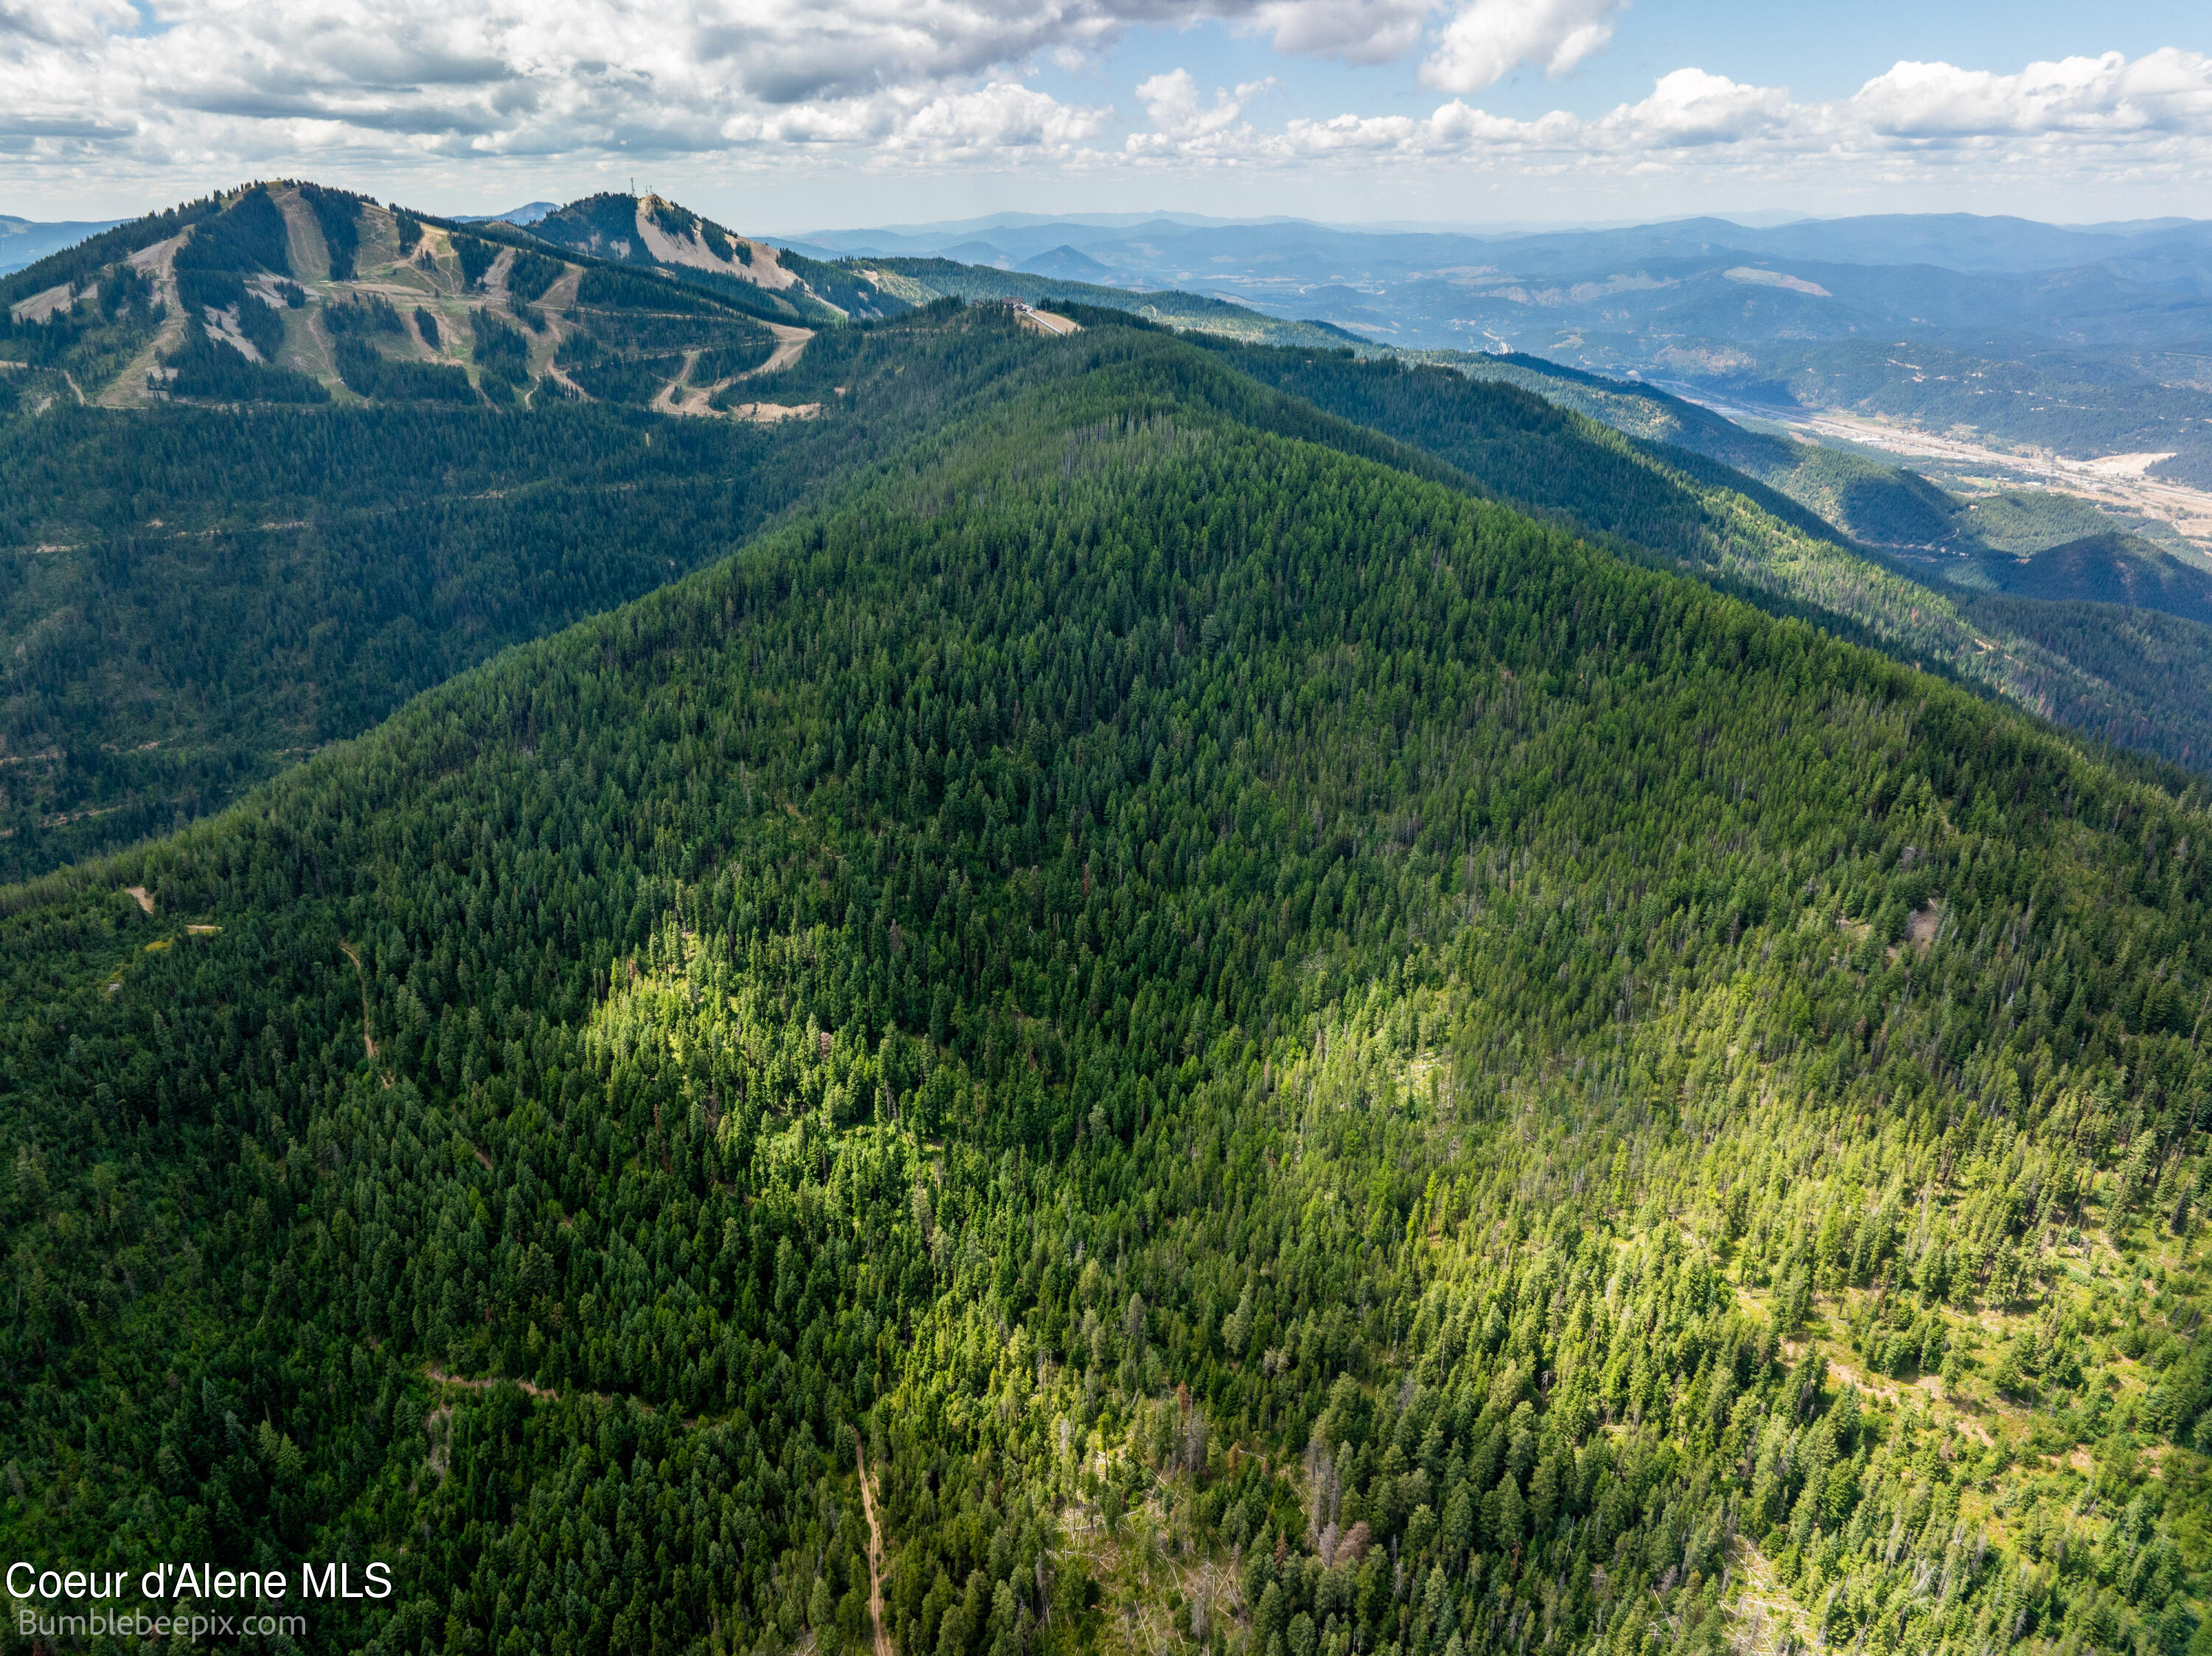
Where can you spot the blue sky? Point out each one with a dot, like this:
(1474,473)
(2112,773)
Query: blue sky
(1822,51)
(787,114)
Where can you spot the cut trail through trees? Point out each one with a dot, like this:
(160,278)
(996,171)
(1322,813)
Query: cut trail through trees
(883,1645)
(368,1033)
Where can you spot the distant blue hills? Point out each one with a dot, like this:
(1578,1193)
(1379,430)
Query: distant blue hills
(23,241)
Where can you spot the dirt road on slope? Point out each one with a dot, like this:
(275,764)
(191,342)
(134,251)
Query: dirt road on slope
(789,342)
(875,1555)
(303,236)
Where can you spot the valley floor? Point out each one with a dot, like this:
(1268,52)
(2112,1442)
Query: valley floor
(2121,480)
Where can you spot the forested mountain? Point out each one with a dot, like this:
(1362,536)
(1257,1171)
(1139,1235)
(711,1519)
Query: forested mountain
(673,241)
(921,280)
(2078,563)
(189,616)
(391,445)
(1236,1048)
(290,293)
(332,516)
(2077,658)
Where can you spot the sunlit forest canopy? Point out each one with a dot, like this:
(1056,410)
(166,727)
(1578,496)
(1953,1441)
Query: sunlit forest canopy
(1254,1052)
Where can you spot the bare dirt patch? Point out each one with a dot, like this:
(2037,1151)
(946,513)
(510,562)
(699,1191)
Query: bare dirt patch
(789,342)
(1767,1619)
(1888,1391)
(315,354)
(380,237)
(1760,278)
(680,396)
(159,262)
(303,237)
(145,902)
(1045,322)
(1921,927)
(557,299)
(39,306)
(439,265)
(769,414)
(559,377)
(424,347)
(760,267)
(554,304)
(494,278)
(2127,465)
(1922,924)
(224,329)
(523,1387)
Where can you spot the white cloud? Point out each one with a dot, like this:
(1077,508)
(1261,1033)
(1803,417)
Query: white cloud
(1491,38)
(503,77)
(1357,31)
(2166,91)
(225,84)
(1691,107)
(2080,116)
(191,92)
(1186,130)
(1001,120)
(43,22)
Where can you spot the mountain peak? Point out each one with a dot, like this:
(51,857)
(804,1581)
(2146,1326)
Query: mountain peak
(529,213)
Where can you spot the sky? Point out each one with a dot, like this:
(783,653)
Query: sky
(790,115)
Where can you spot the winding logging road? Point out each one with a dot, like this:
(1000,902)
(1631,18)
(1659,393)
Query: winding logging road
(875,1555)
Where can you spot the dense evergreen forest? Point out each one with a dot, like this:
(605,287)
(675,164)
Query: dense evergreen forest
(356,554)
(201,612)
(1238,1048)
(255,586)
(2079,662)
(279,459)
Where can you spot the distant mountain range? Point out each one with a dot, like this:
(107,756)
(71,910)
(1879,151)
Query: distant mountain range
(528,213)
(2083,340)
(293,295)
(2079,341)
(1153,246)
(25,242)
